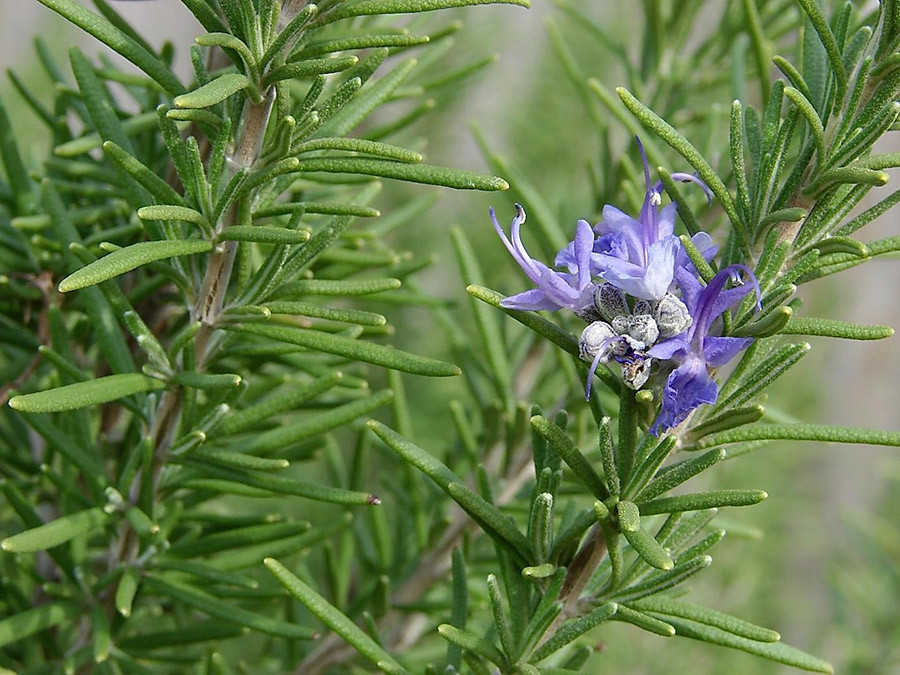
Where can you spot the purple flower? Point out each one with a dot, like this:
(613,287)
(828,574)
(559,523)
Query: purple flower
(555,290)
(639,256)
(690,384)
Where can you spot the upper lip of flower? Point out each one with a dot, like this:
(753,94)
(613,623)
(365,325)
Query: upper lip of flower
(637,255)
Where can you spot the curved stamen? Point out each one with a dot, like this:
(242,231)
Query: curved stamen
(601,352)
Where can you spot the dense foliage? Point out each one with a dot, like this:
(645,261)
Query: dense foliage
(188,307)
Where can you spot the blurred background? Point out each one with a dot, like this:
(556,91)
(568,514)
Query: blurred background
(821,558)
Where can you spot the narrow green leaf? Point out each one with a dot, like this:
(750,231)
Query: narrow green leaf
(131,257)
(292,399)
(56,532)
(228,41)
(662,581)
(373,7)
(206,572)
(118,41)
(356,316)
(702,500)
(227,611)
(289,434)
(82,394)
(213,92)
(772,323)
(472,643)
(775,651)
(708,617)
(170,212)
(264,235)
(97,100)
(822,433)
(560,442)
(100,633)
(16,173)
(250,556)
(644,621)
(309,68)
(497,525)
(836,329)
(156,186)
(360,145)
(415,173)
(460,607)
(789,215)
(532,320)
(739,390)
(126,590)
(332,617)
(501,618)
(237,538)
(820,23)
(572,630)
(287,34)
(337,288)
(239,460)
(198,631)
(492,519)
(19,626)
(358,350)
(287,486)
(729,419)
(319,47)
(847,245)
(812,120)
(366,101)
(207,381)
(684,147)
(492,342)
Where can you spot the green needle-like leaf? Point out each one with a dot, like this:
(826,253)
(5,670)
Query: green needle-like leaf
(19,626)
(82,394)
(332,617)
(820,23)
(131,257)
(415,173)
(563,445)
(264,235)
(56,532)
(227,611)
(213,92)
(799,432)
(170,212)
(836,329)
(373,7)
(574,629)
(126,590)
(358,350)
(472,643)
(497,525)
(703,500)
(706,616)
(107,33)
(775,651)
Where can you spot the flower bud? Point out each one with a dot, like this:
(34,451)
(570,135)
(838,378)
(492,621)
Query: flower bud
(672,317)
(610,302)
(596,336)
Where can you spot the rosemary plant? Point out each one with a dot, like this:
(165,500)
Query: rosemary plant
(183,333)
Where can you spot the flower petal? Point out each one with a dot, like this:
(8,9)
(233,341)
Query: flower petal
(717,351)
(532,300)
(687,387)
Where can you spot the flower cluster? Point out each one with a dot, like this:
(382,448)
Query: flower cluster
(646,306)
